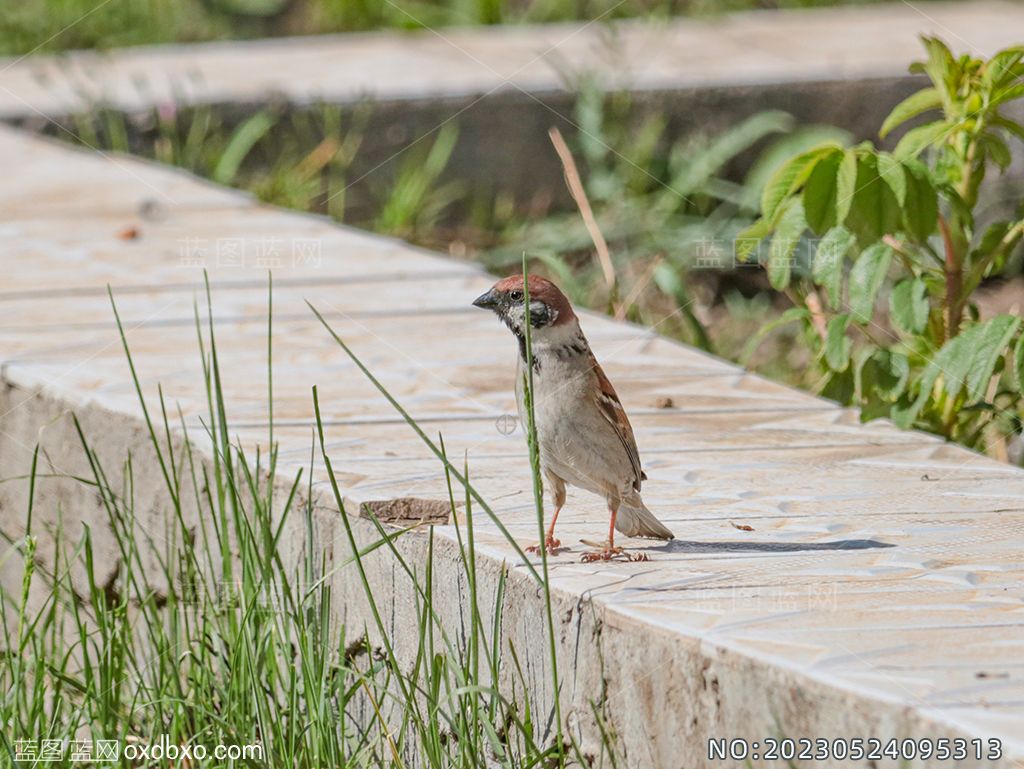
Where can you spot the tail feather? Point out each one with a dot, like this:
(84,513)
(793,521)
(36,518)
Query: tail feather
(635,520)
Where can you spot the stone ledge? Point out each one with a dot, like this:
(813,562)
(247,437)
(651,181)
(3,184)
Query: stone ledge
(881,577)
(742,49)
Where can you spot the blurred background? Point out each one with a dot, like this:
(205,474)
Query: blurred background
(673,172)
(62,25)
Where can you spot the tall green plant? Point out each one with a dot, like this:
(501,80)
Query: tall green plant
(903,223)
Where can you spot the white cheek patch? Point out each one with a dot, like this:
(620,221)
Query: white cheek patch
(516,314)
(515,317)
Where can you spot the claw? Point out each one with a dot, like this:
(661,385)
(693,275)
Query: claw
(608,553)
(551,545)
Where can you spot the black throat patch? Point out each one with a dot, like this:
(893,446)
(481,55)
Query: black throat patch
(521,338)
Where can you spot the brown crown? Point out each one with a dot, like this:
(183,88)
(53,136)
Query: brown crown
(541,290)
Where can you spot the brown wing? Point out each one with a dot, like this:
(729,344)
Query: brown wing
(611,407)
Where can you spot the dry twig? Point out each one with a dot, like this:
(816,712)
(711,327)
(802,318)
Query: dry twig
(575,184)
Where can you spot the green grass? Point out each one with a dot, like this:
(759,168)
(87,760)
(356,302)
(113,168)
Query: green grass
(61,25)
(215,632)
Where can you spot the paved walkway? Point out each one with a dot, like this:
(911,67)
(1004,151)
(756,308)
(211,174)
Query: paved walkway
(806,618)
(741,49)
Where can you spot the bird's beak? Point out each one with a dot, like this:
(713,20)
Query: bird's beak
(487,301)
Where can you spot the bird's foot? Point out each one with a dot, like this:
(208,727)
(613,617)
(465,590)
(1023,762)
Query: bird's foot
(551,545)
(607,552)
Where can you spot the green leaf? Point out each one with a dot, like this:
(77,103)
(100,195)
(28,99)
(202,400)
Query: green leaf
(789,177)
(1010,93)
(1001,68)
(991,239)
(866,279)
(1018,363)
(905,416)
(967,361)
(787,146)
(989,346)
(917,139)
(820,194)
(891,170)
(952,198)
(875,211)
(953,361)
(846,185)
(882,375)
(840,387)
(871,406)
(1012,126)
(827,269)
(837,344)
(894,373)
(748,240)
(941,67)
(912,106)
(997,149)
(784,242)
(908,305)
(921,207)
(241,143)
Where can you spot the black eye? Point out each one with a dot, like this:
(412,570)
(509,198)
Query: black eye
(516,296)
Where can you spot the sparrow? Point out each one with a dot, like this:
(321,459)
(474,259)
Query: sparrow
(583,434)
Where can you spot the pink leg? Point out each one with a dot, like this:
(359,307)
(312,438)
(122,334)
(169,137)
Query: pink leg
(609,551)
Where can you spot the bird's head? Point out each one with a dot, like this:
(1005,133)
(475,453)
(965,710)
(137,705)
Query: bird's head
(549,307)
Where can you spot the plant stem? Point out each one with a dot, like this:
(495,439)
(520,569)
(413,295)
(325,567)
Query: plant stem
(954,279)
(956,239)
(814,306)
(538,498)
